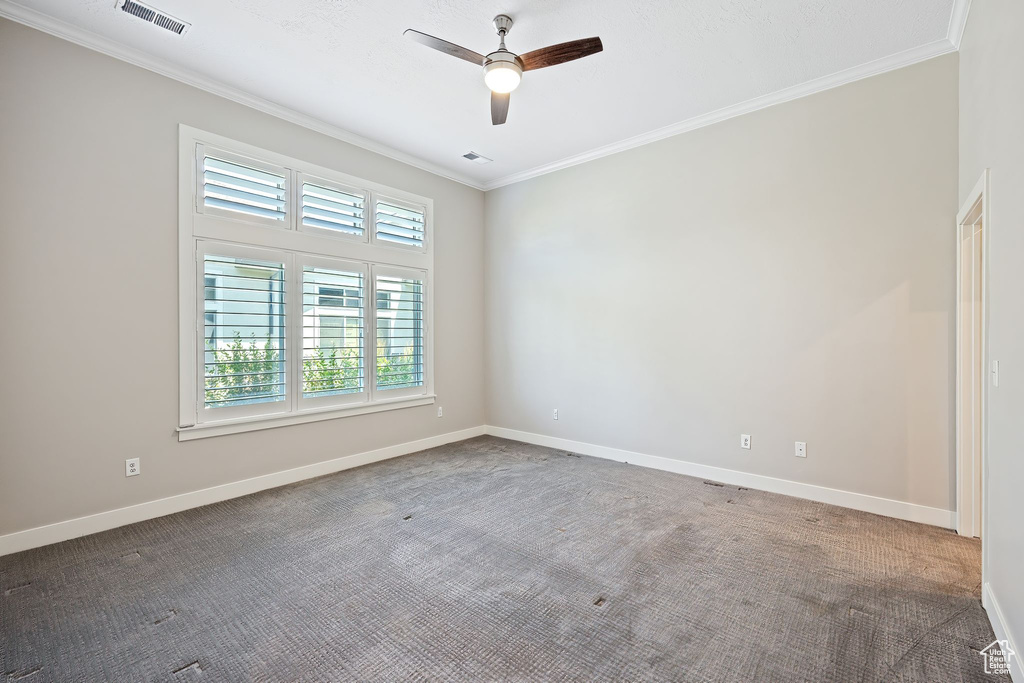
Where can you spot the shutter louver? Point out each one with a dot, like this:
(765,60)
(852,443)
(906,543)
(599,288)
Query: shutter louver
(234,187)
(244,331)
(398,224)
(323,207)
(332,332)
(399,308)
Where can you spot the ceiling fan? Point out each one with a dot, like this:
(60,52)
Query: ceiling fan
(503,69)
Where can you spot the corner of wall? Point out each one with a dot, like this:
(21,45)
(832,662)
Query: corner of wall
(1001,629)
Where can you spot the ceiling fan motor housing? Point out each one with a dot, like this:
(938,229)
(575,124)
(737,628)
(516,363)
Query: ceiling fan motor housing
(505,59)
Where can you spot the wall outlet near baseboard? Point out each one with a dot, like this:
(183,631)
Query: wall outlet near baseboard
(440,411)
(801,449)
(745,441)
(131,467)
(556,414)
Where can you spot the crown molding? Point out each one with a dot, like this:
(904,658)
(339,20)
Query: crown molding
(47,24)
(879,66)
(93,41)
(958,21)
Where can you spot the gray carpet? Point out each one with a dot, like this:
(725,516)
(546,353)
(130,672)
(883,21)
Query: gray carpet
(490,559)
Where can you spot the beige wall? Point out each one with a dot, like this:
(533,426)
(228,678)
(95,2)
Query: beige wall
(992,136)
(88,171)
(788,274)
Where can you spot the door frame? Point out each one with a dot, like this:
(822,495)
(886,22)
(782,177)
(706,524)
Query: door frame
(976,204)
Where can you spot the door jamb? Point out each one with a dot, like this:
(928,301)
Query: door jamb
(964,498)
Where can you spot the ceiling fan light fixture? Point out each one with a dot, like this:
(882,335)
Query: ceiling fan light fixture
(503,70)
(503,76)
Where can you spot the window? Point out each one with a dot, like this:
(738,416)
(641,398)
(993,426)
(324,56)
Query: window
(332,333)
(242,189)
(332,209)
(303,306)
(399,333)
(244,354)
(400,224)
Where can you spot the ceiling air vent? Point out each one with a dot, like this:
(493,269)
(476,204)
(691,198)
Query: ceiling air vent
(476,158)
(153,16)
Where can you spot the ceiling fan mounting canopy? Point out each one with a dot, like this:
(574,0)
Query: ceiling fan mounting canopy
(503,70)
(503,24)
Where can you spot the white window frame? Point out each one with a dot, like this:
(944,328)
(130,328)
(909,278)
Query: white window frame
(405,273)
(200,203)
(402,204)
(368,219)
(321,402)
(229,233)
(204,248)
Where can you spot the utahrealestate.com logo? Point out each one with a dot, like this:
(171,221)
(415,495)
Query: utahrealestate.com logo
(998,656)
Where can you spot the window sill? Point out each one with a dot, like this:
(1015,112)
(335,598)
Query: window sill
(251,424)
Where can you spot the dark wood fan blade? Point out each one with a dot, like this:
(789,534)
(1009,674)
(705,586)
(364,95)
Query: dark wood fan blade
(446,47)
(563,52)
(499,108)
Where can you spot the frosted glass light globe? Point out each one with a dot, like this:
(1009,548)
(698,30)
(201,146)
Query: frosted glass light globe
(502,77)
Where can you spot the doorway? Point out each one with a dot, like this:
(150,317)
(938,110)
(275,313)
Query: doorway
(971,370)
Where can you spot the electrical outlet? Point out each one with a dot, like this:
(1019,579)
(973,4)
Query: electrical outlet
(801,449)
(440,411)
(745,441)
(131,467)
(556,413)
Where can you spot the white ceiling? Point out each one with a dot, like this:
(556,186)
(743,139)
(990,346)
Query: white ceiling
(346,63)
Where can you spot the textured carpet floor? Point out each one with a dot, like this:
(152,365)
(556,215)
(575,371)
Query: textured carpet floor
(491,559)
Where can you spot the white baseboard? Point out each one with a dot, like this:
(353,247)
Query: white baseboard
(83,526)
(1002,630)
(821,494)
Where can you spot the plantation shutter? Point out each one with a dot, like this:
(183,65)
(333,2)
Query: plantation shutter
(242,189)
(399,310)
(399,224)
(244,331)
(332,332)
(332,209)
